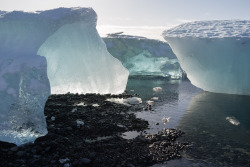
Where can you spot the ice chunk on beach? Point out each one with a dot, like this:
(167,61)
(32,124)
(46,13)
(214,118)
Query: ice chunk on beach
(214,54)
(128,101)
(157,89)
(144,57)
(77,62)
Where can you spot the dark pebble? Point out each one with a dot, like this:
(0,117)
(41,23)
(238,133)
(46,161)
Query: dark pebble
(14,149)
(85,161)
(20,153)
(92,155)
(69,128)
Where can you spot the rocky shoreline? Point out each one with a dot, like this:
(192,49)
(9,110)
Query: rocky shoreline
(86,130)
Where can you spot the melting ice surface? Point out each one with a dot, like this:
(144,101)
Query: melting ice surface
(142,56)
(214,54)
(77,62)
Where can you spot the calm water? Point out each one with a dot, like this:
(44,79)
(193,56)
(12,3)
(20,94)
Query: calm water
(217,125)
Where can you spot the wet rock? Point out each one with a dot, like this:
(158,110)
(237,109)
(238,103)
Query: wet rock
(14,149)
(69,128)
(20,153)
(92,155)
(85,161)
(65,139)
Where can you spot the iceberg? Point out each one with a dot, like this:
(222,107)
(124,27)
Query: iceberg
(78,61)
(214,54)
(55,51)
(144,57)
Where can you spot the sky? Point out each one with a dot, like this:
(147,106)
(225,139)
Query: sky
(143,17)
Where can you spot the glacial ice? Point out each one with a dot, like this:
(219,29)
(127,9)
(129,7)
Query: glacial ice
(214,54)
(56,51)
(88,69)
(144,57)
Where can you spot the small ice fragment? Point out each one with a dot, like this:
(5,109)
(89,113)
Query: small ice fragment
(79,122)
(132,90)
(157,89)
(133,100)
(116,100)
(95,105)
(74,110)
(149,102)
(155,98)
(62,161)
(121,126)
(52,118)
(165,120)
(81,104)
(233,120)
(127,102)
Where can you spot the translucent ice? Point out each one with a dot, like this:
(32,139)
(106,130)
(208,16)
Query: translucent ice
(214,54)
(78,62)
(142,56)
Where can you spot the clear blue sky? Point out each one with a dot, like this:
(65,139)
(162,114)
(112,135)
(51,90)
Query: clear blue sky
(144,12)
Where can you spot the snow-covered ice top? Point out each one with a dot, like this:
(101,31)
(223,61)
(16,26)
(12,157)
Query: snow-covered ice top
(23,33)
(211,29)
(68,15)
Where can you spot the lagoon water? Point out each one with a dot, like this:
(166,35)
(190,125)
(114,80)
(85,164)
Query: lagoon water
(216,125)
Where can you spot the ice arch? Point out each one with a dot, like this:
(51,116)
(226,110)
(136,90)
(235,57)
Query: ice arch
(24,84)
(79,62)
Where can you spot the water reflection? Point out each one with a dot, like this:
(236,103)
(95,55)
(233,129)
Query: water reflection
(169,104)
(146,88)
(219,127)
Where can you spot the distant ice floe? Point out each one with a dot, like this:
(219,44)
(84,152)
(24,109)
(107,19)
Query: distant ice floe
(233,121)
(144,57)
